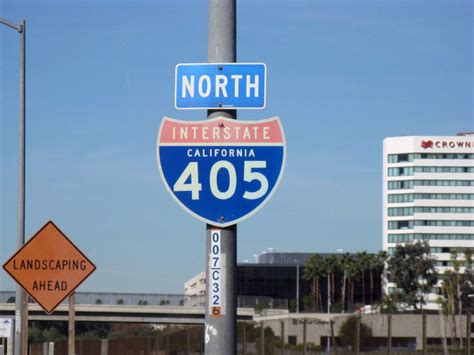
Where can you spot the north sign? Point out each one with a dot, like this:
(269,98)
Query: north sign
(49,267)
(221,171)
(224,85)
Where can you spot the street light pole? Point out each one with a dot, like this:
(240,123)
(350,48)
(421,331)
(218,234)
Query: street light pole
(21,300)
(297,286)
(329,313)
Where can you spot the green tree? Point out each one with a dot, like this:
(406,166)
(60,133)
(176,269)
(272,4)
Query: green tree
(308,303)
(412,268)
(314,271)
(125,330)
(259,308)
(371,267)
(330,267)
(52,334)
(352,275)
(362,264)
(388,303)
(252,335)
(271,341)
(92,330)
(467,280)
(375,264)
(346,262)
(448,301)
(35,335)
(348,334)
(453,286)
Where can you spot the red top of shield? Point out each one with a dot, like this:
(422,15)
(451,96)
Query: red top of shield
(221,130)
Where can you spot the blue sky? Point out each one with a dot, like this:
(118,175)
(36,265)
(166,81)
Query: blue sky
(342,76)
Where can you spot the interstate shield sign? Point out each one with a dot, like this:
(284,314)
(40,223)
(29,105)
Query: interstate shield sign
(221,171)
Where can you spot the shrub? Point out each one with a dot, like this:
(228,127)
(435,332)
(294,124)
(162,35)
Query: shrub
(348,333)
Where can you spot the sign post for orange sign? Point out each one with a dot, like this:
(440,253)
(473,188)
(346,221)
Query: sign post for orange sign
(49,267)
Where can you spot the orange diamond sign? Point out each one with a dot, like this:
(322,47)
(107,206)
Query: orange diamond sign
(49,267)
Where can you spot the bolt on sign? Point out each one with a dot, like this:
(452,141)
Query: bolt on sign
(49,267)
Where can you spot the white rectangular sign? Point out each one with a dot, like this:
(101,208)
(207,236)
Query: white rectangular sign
(223,85)
(215,274)
(5,327)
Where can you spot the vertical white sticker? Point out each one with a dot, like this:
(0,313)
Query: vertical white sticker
(17,321)
(215,274)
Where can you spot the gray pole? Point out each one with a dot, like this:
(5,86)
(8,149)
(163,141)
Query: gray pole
(468,331)
(282,323)
(189,340)
(329,311)
(21,188)
(389,334)
(297,288)
(220,332)
(71,338)
(21,299)
(304,335)
(244,340)
(423,321)
(357,345)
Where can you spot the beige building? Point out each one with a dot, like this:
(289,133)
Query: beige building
(195,291)
(406,328)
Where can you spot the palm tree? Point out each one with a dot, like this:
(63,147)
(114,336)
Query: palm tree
(468,279)
(374,263)
(313,271)
(362,261)
(345,263)
(351,274)
(327,272)
(332,266)
(370,267)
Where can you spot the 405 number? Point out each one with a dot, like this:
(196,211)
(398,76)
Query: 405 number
(188,181)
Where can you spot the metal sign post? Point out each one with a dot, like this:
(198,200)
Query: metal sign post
(220,170)
(220,329)
(71,337)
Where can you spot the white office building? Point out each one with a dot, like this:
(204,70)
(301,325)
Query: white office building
(195,291)
(428,193)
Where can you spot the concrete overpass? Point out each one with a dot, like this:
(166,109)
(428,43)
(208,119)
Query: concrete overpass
(136,308)
(123,313)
